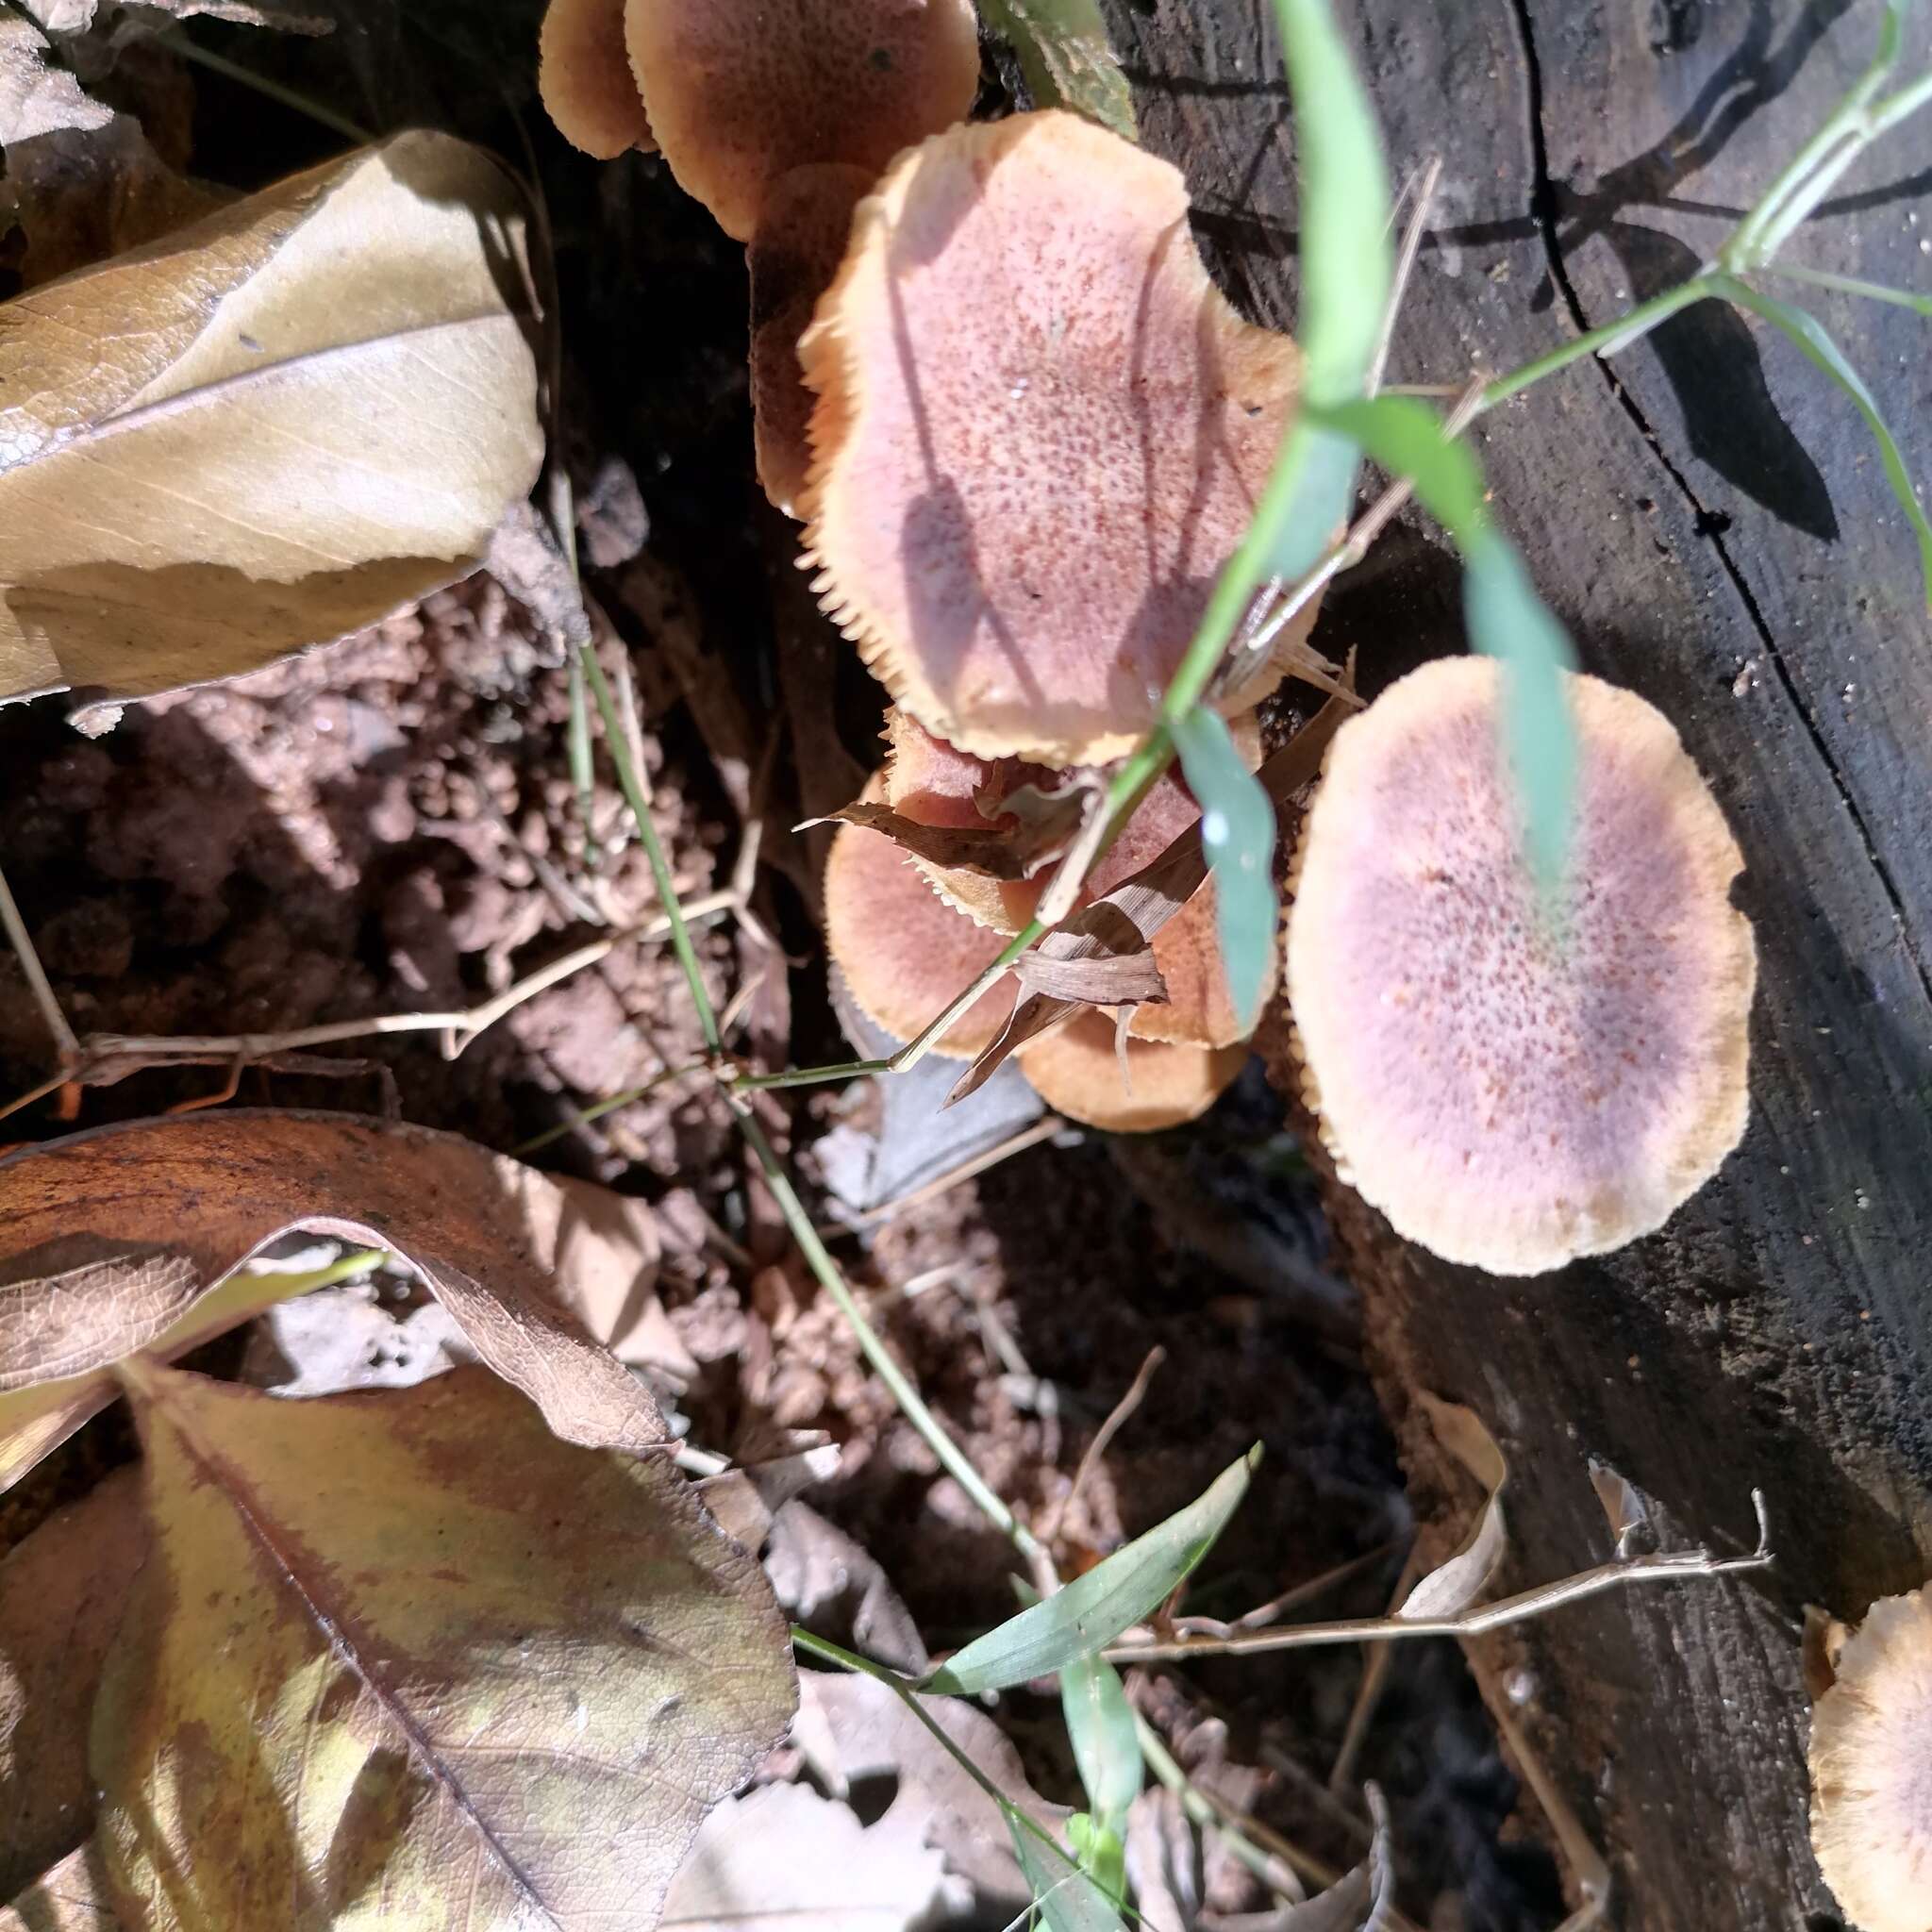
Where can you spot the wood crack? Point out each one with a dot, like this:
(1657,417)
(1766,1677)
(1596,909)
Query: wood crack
(1545,214)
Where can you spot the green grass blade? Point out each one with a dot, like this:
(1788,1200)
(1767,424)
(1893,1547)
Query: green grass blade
(1064,53)
(1811,337)
(1324,496)
(1067,1898)
(1348,263)
(1093,1610)
(1107,1747)
(1238,835)
(1505,618)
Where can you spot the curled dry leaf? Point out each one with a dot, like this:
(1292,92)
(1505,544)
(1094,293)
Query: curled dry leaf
(1127,919)
(62,1591)
(995,852)
(344,354)
(38,95)
(1450,1589)
(482,1676)
(130,1237)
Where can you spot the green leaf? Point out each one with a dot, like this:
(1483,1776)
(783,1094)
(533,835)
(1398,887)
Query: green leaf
(1348,266)
(1107,1747)
(1238,835)
(1322,497)
(1062,49)
(1102,1854)
(1093,1610)
(1507,620)
(1811,338)
(1067,1898)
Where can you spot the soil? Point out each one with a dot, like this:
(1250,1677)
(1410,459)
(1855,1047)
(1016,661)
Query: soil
(389,825)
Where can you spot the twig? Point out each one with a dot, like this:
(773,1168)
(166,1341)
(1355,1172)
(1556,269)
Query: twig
(582,1117)
(1042,1129)
(1281,1866)
(1267,1613)
(1591,1871)
(1404,267)
(1674,1567)
(66,1047)
(1122,1410)
(1376,1664)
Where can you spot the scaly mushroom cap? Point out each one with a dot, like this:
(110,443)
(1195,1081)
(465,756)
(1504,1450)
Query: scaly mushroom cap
(1508,1094)
(1041,432)
(903,950)
(1872,1771)
(936,784)
(1076,1070)
(740,91)
(583,74)
(796,251)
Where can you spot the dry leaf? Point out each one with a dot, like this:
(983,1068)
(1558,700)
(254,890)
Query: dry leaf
(1098,979)
(784,1856)
(67,1899)
(62,1591)
(38,95)
(1122,924)
(856,1728)
(130,1237)
(1451,1589)
(268,430)
(832,1585)
(409,1659)
(1163,1862)
(1010,852)
(1623,1506)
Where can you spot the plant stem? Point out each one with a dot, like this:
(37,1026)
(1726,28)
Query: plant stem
(952,1457)
(639,799)
(1848,285)
(66,1047)
(1607,340)
(177,42)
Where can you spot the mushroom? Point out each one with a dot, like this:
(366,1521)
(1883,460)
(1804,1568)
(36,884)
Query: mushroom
(584,76)
(1515,1083)
(1871,1769)
(1077,1070)
(740,92)
(903,952)
(1041,432)
(936,784)
(796,251)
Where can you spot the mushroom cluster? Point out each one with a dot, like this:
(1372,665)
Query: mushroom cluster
(1024,432)
(1872,1768)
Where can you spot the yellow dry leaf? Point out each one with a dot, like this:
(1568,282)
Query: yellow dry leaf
(267,429)
(66,1899)
(405,1659)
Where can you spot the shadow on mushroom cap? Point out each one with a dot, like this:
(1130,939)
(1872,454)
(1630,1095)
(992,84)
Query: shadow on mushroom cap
(1076,1069)
(1513,1092)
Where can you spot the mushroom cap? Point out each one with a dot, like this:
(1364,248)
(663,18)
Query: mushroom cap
(1872,1771)
(1076,1070)
(740,91)
(1040,433)
(1511,1091)
(584,76)
(903,950)
(937,784)
(796,251)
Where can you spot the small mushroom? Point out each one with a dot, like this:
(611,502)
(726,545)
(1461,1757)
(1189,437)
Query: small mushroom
(584,76)
(1077,1070)
(903,952)
(1872,1771)
(1040,433)
(796,251)
(740,91)
(1515,1084)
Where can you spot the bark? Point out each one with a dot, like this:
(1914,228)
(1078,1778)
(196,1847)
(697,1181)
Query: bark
(1712,522)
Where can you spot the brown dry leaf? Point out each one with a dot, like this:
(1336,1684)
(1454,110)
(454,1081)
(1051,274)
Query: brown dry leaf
(1008,853)
(784,1856)
(1120,925)
(855,1728)
(267,431)
(1099,979)
(62,1591)
(475,1678)
(131,1238)
(1451,1588)
(38,95)
(67,1899)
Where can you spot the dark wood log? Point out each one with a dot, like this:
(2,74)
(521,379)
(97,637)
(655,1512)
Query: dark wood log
(1711,521)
